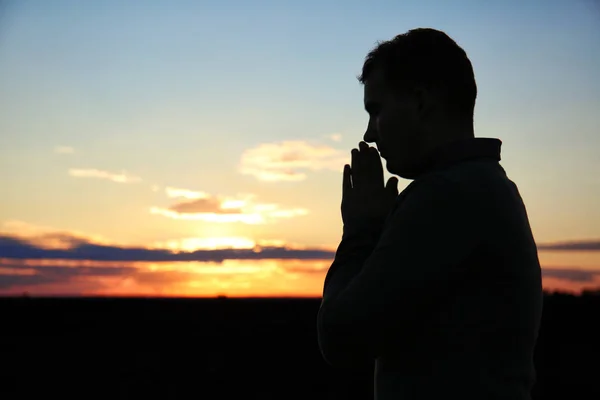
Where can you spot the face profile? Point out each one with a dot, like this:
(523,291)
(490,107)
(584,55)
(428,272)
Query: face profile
(395,125)
(419,92)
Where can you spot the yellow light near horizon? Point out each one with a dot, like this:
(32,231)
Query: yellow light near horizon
(261,277)
(233,204)
(251,219)
(210,243)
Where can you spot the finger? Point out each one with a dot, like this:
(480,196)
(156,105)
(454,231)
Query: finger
(362,174)
(376,169)
(369,171)
(363,146)
(392,185)
(346,182)
(356,169)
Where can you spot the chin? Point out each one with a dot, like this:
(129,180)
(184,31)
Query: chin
(403,170)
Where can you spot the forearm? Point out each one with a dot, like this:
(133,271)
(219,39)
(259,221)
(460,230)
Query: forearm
(354,249)
(336,346)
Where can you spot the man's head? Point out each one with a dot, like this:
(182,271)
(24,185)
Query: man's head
(419,91)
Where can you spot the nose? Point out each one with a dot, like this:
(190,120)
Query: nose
(371,133)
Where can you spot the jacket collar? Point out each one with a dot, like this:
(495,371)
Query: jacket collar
(464,150)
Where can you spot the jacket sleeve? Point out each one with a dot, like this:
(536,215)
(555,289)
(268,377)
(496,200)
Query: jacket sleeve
(374,293)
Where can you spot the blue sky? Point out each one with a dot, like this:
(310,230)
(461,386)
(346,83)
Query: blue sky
(175,93)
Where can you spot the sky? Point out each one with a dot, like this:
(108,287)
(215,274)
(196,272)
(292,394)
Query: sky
(195,148)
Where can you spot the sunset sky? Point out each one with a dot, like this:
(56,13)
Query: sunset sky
(131,131)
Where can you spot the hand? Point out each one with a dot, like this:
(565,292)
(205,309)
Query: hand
(366,202)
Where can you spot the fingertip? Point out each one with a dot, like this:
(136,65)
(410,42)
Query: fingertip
(346,178)
(392,182)
(347,172)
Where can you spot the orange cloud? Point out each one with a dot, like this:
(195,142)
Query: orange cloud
(262,277)
(47,237)
(287,161)
(231,277)
(66,246)
(122,177)
(204,207)
(43,261)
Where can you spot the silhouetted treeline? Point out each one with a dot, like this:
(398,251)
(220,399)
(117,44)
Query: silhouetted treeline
(232,348)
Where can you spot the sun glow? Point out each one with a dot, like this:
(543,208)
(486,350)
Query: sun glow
(210,243)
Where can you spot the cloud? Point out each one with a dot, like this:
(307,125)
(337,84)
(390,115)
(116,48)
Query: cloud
(205,207)
(45,236)
(234,265)
(336,137)
(64,150)
(12,247)
(288,160)
(16,275)
(44,261)
(122,177)
(572,274)
(189,266)
(202,206)
(184,193)
(249,277)
(576,245)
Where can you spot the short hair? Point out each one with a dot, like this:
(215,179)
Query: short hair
(429,58)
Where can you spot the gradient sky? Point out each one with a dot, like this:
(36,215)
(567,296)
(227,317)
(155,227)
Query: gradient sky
(200,125)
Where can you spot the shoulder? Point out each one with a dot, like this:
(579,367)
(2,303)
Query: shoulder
(440,183)
(438,207)
(459,188)
(468,179)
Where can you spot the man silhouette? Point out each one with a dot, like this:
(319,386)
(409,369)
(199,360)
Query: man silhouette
(439,287)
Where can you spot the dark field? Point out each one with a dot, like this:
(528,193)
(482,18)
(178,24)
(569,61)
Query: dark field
(231,349)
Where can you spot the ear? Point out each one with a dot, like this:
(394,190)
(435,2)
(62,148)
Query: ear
(424,102)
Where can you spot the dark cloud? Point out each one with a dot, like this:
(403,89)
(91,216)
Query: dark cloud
(571,274)
(579,245)
(21,270)
(18,275)
(17,248)
(205,205)
(8,281)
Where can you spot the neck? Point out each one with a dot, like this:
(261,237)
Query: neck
(447,133)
